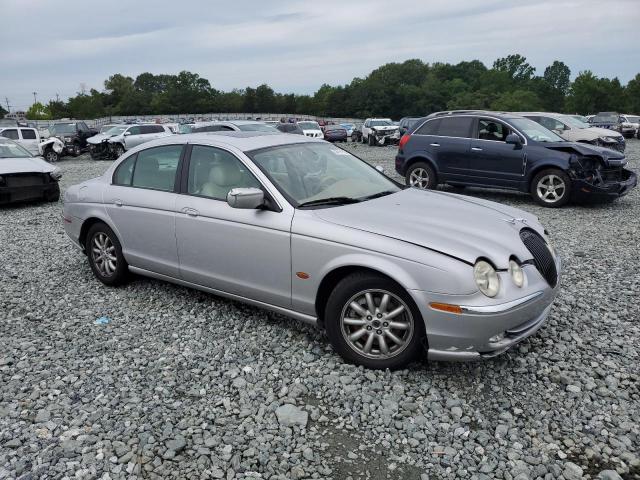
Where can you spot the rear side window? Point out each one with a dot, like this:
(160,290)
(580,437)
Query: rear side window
(124,172)
(28,134)
(429,128)
(157,128)
(455,127)
(12,134)
(156,168)
(147,129)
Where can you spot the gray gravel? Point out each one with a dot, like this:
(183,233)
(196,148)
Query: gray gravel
(182,384)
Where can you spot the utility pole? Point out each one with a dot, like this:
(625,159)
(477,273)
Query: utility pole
(57,97)
(35,97)
(6,99)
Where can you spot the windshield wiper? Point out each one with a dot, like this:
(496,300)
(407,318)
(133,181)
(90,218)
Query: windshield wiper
(384,193)
(329,201)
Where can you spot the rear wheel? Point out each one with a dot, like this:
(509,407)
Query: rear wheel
(421,175)
(105,255)
(551,188)
(372,321)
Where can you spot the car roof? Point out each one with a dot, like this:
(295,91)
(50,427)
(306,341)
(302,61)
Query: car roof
(244,141)
(489,113)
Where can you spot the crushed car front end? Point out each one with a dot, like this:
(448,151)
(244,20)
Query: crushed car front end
(386,135)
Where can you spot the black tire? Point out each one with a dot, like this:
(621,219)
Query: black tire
(51,156)
(75,150)
(118,150)
(421,175)
(120,272)
(371,140)
(548,177)
(345,294)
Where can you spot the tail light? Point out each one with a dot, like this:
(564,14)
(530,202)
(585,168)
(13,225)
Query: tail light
(405,138)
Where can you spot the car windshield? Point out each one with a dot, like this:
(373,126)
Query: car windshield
(185,129)
(256,127)
(334,127)
(115,130)
(105,128)
(319,174)
(309,125)
(535,131)
(605,118)
(380,123)
(9,149)
(347,125)
(633,119)
(573,122)
(62,128)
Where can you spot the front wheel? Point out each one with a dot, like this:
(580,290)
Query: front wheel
(421,175)
(372,321)
(118,150)
(75,150)
(551,188)
(51,156)
(105,255)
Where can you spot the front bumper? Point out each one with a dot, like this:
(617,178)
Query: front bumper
(485,329)
(28,192)
(100,151)
(387,137)
(585,190)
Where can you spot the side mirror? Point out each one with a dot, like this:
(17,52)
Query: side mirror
(513,139)
(126,134)
(381,169)
(245,198)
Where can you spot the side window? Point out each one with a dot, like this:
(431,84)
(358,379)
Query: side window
(367,124)
(147,129)
(551,123)
(158,129)
(12,134)
(156,168)
(83,127)
(429,128)
(134,130)
(213,172)
(455,127)
(225,128)
(492,130)
(28,134)
(124,172)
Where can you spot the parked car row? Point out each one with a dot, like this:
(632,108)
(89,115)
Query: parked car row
(625,124)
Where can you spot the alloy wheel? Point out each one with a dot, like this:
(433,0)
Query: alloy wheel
(377,324)
(103,253)
(51,156)
(551,188)
(419,177)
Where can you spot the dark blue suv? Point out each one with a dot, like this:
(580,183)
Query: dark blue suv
(501,150)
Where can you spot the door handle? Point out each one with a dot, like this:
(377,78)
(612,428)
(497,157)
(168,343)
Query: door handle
(192,212)
(476,149)
(434,144)
(118,203)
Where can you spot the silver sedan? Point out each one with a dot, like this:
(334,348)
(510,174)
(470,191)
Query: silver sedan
(301,227)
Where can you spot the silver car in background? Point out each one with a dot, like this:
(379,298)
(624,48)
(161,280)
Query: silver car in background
(134,135)
(301,227)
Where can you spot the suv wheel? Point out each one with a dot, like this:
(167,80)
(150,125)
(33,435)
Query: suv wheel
(118,150)
(551,188)
(75,150)
(105,255)
(371,321)
(51,156)
(421,175)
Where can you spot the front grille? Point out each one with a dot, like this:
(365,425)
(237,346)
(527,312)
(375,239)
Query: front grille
(611,174)
(25,180)
(542,256)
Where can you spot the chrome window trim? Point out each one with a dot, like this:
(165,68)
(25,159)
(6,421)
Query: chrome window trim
(470,138)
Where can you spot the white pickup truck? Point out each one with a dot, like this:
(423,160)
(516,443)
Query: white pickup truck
(49,148)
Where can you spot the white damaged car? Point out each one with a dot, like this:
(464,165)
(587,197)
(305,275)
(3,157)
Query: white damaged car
(24,177)
(311,129)
(48,147)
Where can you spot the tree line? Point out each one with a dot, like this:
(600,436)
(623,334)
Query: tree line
(410,88)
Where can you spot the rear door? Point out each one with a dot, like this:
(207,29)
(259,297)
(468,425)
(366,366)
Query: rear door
(494,162)
(141,203)
(452,143)
(29,140)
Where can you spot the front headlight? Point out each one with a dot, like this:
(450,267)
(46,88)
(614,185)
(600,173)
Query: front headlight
(516,272)
(486,278)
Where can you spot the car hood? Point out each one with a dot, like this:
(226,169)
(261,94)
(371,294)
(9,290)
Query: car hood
(311,130)
(597,132)
(455,225)
(610,157)
(98,138)
(386,128)
(24,165)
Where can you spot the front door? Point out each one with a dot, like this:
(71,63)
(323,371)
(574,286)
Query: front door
(141,204)
(243,252)
(494,162)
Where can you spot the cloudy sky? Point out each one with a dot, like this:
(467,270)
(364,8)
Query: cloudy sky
(296,45)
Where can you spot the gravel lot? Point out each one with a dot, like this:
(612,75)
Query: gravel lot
(183,384)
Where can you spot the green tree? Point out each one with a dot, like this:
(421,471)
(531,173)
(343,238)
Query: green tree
(3,112)
(516,66)
(37,111)
(518,100)
(633,95)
